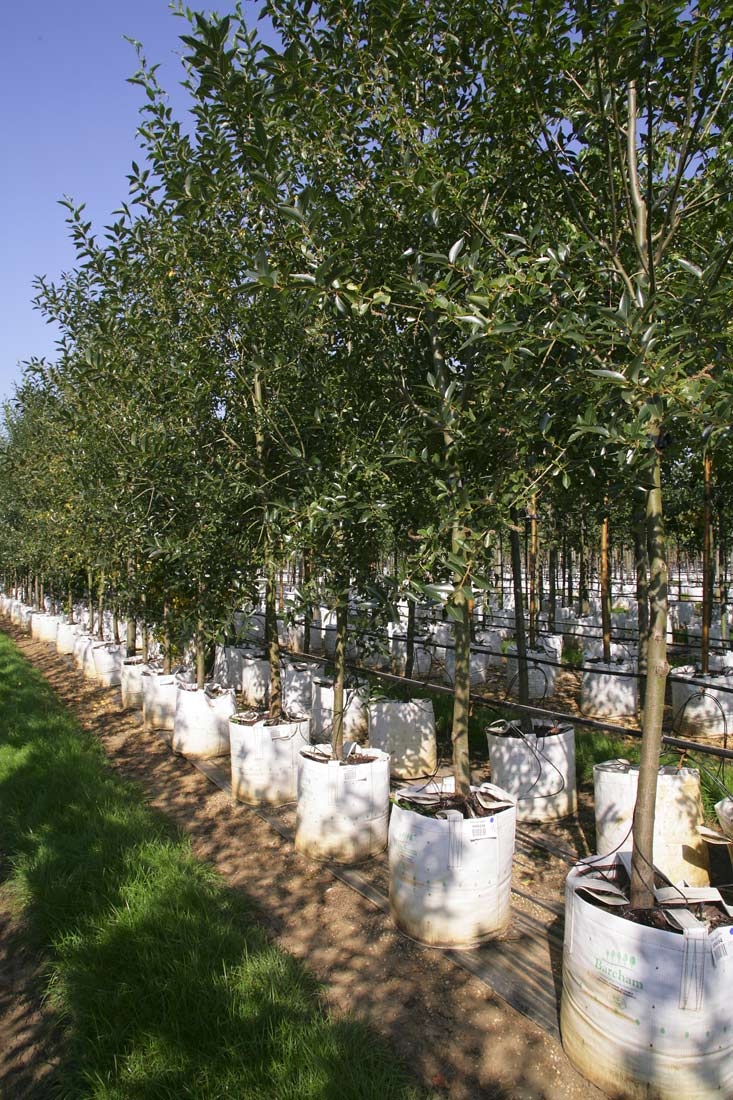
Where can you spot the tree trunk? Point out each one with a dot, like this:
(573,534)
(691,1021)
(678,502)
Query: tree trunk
(342,624)
(410,645)
(552,594)
(522,676)
(642,595)
(605,591)
(462,690)
(707,561)
(532,578)
(200,656)
(272,643)
(642,876)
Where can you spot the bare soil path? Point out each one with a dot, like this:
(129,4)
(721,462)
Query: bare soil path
(453,1030)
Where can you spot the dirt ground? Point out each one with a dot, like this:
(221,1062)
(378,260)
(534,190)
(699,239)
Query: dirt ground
(454,1031)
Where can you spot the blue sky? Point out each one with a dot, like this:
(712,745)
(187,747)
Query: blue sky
(68,120)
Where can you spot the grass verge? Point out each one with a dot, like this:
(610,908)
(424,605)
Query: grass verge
(164,982)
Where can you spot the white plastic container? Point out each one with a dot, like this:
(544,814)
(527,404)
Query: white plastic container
(704,706)
(355,711)
(66,636)
(450,877)
(536,769)
(44,627)
(227,669)
(255,680)
(107,664)
(405,730)
(82,647)
(645,1012)
(265,757)
(609,689)
(297,687)
(343,809)
(131,682)
(201,720)
(159,699)
(541,674)
(679,851)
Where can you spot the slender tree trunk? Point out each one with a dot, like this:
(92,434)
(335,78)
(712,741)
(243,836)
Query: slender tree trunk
(100,610)
(462,689)
(70,604)
(90,594)
(272,643)
(307,608)
(642,595)
(200,655)
(131,635)
(707,561)
(552,595)
(642,875)
(605,591)
(532,578)
(167,644)
(342,625)
(522,674)
(410,646)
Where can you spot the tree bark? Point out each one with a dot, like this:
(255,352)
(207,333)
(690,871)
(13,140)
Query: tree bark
(642,873)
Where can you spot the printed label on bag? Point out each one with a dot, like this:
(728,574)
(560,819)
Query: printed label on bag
(618,968)
(721,944)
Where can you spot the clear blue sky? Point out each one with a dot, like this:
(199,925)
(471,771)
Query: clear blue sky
(68,120)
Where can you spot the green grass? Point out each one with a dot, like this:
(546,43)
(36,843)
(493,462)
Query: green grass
(163,980)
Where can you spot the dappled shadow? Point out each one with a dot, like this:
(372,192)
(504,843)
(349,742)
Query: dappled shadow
(456,1033)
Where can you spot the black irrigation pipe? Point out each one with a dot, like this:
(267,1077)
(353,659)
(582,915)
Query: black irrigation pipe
(677,743)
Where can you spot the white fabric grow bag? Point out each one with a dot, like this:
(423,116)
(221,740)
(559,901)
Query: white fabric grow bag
(107,664)
(537,769)
(405,730)
(201,720)
(131,682)
(159,699)
(450,877)
(702,707)
(645,1012)
(66,636)
(540,674)
(606,690)
(343,809)
(679,851)
(355,711)
(255,683)
(265,759)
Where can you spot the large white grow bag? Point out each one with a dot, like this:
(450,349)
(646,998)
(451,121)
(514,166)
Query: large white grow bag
(44,627)
(679,851)
(297,687)
(265,757)
(66,636)
(405,730)
(645,1012)
(492,639)
(227,669)
(255,680)
(541,674)
(537,769)
(107,664)
(131,682)
(702,707)
(450,877)
(159,699)
(201,720)
(355,711)
(82,650)
(343,809)
(610,689)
